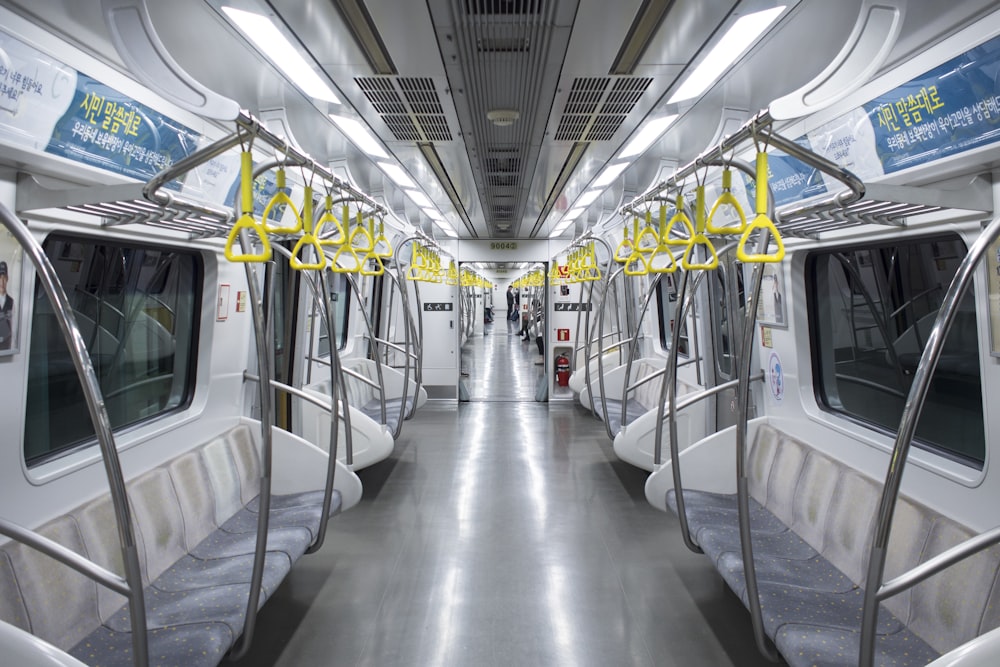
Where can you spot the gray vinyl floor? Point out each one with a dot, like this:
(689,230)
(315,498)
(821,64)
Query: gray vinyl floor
(503,533)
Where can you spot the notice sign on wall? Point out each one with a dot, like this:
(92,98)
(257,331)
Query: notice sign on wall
(436,307)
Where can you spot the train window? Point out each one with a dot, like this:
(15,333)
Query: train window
(666,301)
(871,310)
(727,333)
(138,310)
(340,300)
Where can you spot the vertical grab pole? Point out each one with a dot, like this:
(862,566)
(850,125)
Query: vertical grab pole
(266,423)
(102,427)
(764,199)
(408,332)
(588,334)
(907,428)
(372,337)
(406,346)
(634,342)
(600,352)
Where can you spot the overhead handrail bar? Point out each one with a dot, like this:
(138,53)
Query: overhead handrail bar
(97,411)
(912,409)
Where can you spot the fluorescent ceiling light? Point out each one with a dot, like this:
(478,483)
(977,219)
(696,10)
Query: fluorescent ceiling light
(420,199)
(587,198)
(266,37)
(609,175)
(573,214)
(396,173)
(446,228)
(650,132)
(361,137)
(726,51)
(433,214)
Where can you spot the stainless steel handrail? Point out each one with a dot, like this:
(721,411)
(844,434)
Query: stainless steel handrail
(298,393)
(266,425)
(907,428)
(373,349)
(67,557)
(939,563)
(63,311)
(634,344)
(588,331)
(600,357)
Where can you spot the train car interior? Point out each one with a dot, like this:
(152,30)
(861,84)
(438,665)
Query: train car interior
(499,332)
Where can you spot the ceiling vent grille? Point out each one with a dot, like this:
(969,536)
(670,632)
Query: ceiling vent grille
(596,109)
(409,106)
(503,44)
(503,7)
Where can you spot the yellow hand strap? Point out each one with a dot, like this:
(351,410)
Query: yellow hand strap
(680,217)
(637,265)
(281,198)
(648,239)
(374,261)
(354,261)
(699,238)
(308,239)
(327,218)
(382,242)
(361,238)
(727,199)
(246,219)
(625,248)
(761,222)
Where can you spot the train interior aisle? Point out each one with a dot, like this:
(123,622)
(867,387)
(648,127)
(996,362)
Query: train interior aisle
(503,533)
(501,365)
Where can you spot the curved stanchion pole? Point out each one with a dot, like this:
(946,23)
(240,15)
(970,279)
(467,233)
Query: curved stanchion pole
(313,282)
(413,338)
(373,343)
(267,424)
(742,418)
(907,428)
(63,311)
(407,339)
(588,333)
(634,342)
(600,352)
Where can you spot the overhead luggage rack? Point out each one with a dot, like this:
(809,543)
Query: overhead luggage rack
(151,204)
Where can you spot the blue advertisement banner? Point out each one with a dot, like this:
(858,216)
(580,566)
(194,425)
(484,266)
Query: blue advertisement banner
(789,178)
(104,128)
(950,109)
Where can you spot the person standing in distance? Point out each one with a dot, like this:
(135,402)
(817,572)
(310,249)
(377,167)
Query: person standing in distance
(6,311)
(510,301)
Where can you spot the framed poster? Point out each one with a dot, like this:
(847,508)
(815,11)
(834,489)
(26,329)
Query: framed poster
(11,255)
(771,305)
(993,285)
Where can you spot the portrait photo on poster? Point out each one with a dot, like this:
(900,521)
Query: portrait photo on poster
(771,305)
(10,296)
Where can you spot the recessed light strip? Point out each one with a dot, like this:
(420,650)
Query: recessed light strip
(269,40)
(741,36)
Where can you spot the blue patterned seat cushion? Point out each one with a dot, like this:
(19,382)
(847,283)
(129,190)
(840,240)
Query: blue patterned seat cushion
(809,646)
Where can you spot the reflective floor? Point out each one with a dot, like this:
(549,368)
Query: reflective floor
(501,366)
(503,533)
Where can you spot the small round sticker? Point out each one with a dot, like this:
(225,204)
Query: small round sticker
(776,377)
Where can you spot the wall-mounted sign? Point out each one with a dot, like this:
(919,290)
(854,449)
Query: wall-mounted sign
(572,307)
(503,245)
(438,307)
(562,335)
(222,307)
(10,292)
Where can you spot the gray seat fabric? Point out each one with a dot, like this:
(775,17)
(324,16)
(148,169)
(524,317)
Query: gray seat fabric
(633,410)
(196,522)
(811,527)
(373,409)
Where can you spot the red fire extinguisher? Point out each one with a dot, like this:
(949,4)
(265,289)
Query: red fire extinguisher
(562,370)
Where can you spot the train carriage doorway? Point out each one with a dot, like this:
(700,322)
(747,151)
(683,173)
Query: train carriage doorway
(503,345)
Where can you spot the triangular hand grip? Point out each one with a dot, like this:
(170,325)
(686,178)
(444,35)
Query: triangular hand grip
(700,240)
(280,198)
(373,260)
(761,222)
(354,262)
(307,240)
(636,265)
(246,221)
(329,218)
(681,218)
(661,253)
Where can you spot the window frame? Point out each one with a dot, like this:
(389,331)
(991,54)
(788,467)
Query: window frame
(821,383)
(189,366)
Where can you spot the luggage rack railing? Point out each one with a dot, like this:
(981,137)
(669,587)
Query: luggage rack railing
(150,204)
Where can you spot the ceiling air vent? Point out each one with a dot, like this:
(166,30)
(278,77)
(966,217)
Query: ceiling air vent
(503,44)
(596,109)
(503,7)
(409,106)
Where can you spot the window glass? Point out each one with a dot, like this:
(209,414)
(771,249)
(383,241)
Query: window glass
(666,301)
(137,308)
(871,310)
